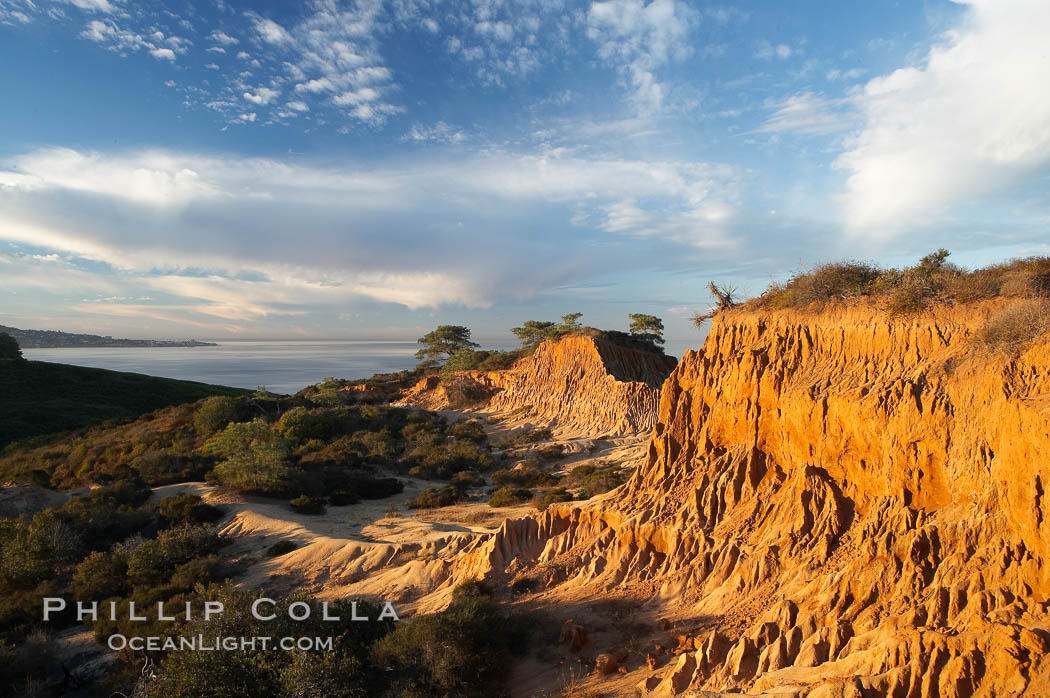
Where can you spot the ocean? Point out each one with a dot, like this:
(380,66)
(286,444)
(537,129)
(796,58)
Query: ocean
(281,366)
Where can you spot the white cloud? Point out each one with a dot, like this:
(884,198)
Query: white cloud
(103,6)
(221,37)
(156,178)
(233,215)
(116,38)
(972,119)
(365,94)
(261,96)
(502,31)
(165,54)
(374,114)
(808,113)
(298,106)
(271,32)
(316,85)
(12,16)
(851,74)
(640,38)
(440,132)
(767,51)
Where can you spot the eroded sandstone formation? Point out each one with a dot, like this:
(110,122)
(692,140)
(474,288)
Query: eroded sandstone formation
(844,505)
(581,383)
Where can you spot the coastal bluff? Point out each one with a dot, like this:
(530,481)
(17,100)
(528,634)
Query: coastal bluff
(584,384)
(834,503)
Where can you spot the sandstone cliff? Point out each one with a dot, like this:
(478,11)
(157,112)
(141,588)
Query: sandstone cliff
(581,383)
(841,504)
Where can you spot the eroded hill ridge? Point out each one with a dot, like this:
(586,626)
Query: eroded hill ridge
(581,384)
(843,504)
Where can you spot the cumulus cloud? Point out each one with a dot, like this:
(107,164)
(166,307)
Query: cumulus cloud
(359,96)
(271,32)
(221,37)
(163,54)
(261,96)
(110,34)
(971,119)
(640,38)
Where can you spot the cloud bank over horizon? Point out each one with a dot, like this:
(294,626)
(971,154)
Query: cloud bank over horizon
(383,165)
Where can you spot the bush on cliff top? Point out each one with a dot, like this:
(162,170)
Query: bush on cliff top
(911,289)
(1015,327)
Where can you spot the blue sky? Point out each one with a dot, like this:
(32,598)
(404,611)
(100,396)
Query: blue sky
(371,169)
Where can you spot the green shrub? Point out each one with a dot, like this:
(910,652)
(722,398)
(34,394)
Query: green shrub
(342,498)
(186,509)
(307,504)
(555,496)
(470,429)
(344,451)
(346,670)
(152,562)
(256,458)
(527,474)
(592,480)
(432,498)
(467,478)
(481,360)
(215,413)
(463,651)
(200,570)
(101,575)
(380,446)
(509,496)
(300,424)
(442,459)
(9,348)
(281,547)
(472,588)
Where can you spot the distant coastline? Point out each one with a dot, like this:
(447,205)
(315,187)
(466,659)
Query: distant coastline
(53,339)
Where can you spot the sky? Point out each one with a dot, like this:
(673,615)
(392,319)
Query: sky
(371,169)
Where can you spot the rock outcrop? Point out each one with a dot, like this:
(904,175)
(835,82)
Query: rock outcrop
(841,504)
(580,383)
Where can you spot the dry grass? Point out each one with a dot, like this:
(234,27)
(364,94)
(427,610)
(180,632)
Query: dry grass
(1014,328)
(909,290)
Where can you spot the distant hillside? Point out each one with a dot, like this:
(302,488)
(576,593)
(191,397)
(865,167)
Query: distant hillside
(38,398)
(53,339)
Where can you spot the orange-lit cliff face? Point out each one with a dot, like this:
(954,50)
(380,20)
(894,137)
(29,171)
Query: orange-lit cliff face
(579,384)
(847,505)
